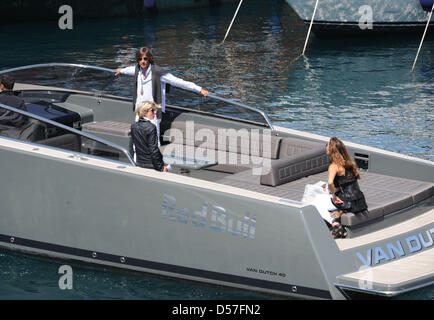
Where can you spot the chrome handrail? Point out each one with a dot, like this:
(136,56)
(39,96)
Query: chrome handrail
(71,130)
(238,104)
(213,96)
(56,64)
(230,101)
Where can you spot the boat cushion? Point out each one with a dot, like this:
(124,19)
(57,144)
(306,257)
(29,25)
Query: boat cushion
(294,167)
(229,162)
(66,141)
(351,220)
(32,130)
(417,190)
(224,139)
(110,127)
(384,194)
(390,194)
(291,146)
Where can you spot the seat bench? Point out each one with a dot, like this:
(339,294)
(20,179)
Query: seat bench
(384,194)
(109,127)
(293,163)
(67,141)
(234,150)
(296,166)
(113,131)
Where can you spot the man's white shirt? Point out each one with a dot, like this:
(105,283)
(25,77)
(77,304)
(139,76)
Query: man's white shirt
(145,85)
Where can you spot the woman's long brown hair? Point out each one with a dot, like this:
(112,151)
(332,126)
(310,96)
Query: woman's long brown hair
(340,156)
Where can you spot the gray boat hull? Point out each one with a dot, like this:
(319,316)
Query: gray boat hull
(68,208)
(101,212)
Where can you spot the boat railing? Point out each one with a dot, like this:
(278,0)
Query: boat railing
(217,106)
(91,139)
(103,85)
(57,64)
(244,106)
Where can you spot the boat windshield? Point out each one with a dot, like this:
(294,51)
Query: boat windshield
(216,105)
(27,127)
(103,81)
(68,76)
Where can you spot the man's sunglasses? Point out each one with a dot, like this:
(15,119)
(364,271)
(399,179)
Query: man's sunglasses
(144,58)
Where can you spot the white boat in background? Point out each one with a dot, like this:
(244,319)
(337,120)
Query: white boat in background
(364,16)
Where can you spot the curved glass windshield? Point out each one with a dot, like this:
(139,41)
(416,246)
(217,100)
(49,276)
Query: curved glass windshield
(73,77)
(215,105)
(24,126)
(103,80)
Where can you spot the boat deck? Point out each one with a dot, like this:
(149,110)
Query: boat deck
(393,278)
(384,194)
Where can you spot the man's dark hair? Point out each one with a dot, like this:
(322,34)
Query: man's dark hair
(142,51)
(8,82)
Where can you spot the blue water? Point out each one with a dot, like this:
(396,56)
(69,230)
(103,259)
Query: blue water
(360,90)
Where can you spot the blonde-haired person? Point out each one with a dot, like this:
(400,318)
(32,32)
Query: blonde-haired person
(342,182)
(144,138)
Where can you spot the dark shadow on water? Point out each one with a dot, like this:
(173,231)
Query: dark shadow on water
(375,41)
(116,283)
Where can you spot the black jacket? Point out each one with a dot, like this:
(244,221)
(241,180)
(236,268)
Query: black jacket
(10,98)
(145,140)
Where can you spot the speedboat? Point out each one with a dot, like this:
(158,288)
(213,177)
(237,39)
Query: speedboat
(229,213)
(364,17)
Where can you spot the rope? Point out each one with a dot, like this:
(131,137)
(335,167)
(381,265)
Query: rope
(233,19)
(310,27)
(423,37)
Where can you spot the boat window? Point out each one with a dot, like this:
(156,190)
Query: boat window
(72,76)
(24,126)
(51,96)
(103,81)
(216,105)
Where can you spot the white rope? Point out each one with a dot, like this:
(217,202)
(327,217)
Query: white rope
(233,19)
(423,37)
(310,27)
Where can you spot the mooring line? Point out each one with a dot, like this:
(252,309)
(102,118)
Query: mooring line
(423,37)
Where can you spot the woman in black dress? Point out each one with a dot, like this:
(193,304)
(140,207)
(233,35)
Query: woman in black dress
(342,182)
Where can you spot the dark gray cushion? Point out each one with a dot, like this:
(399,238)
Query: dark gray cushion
(418,190)
(300,165)
(351,220)
(110,127)
(386,194)
(224,139)
(67,141)
(32,130)
(291,146)
(229,162)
